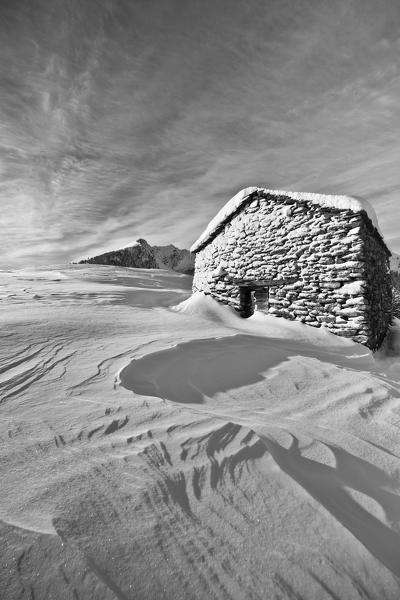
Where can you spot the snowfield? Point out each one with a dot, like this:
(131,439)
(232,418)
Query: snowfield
(157,446)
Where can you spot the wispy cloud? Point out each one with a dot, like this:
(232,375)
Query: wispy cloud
(125,118)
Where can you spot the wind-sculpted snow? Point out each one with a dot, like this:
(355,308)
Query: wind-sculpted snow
(192,372)
(31,364)
(233,464)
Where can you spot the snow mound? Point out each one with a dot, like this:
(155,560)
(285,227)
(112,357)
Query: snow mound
(260,324)
(327,201)
(201,305)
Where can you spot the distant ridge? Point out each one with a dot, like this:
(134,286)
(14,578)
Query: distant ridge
(141,255)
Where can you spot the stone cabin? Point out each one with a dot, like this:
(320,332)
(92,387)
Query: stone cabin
(312,258)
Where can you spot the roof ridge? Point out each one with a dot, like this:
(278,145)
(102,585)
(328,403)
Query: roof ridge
(340,202)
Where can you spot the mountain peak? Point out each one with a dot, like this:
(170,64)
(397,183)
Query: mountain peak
(141,254)
(143,242)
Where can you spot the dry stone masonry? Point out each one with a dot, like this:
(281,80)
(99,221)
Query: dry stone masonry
(317,259)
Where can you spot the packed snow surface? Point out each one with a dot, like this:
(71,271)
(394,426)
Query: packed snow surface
(155,445)
(339,202)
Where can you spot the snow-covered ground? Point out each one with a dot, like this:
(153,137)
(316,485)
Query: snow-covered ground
(151,452)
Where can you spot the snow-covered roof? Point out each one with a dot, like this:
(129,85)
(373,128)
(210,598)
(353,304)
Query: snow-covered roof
(234,204)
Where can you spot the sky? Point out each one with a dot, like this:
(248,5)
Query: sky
(122,119)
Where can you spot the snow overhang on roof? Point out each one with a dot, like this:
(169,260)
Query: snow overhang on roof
(234,204)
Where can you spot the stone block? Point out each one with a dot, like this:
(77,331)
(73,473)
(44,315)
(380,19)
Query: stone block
(331,285)
(326,319)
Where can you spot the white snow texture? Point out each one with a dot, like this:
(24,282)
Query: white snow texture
(188,454)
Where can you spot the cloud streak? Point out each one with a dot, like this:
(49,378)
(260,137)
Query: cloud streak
(124,119)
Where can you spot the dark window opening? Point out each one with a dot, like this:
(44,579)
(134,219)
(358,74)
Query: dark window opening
(246,298)
(251,298)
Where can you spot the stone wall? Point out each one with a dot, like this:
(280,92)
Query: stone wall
(330,267)
(378,292)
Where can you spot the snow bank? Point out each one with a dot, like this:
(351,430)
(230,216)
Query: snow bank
(327,201)
(205,306)
(260,324)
